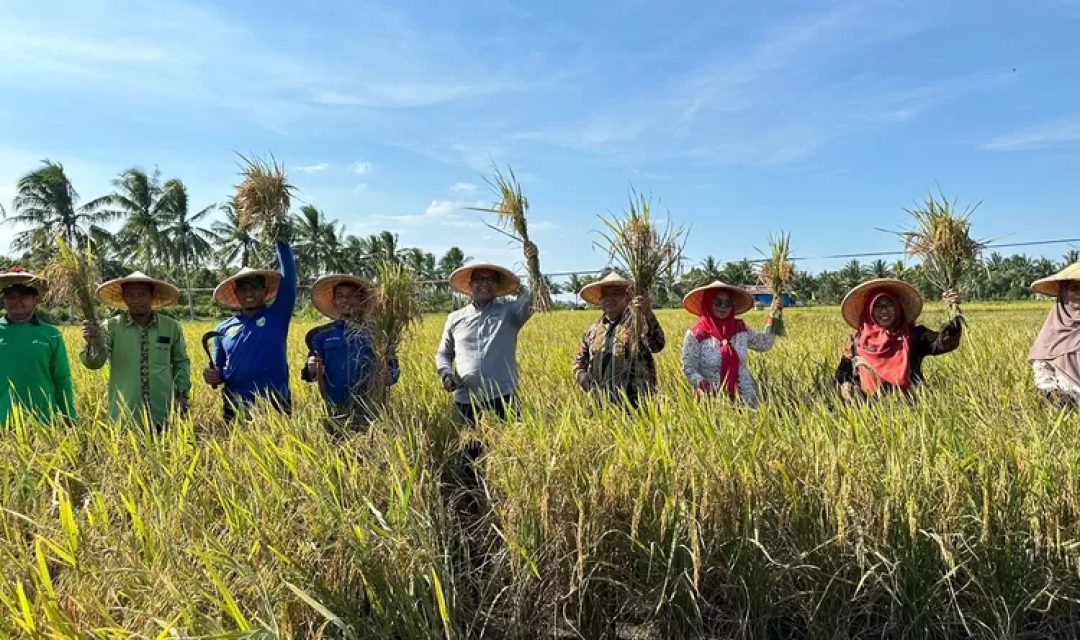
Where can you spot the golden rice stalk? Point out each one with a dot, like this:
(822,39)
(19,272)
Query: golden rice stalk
(637,246)
(394,311)
(511,209)
(777,273)
(941,238)
(73,277)
(263,196)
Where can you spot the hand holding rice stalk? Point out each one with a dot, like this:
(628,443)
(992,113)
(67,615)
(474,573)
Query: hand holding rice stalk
(73,278)
(263,197)
(778,274)
(942,239)
(646,253)
(511,210)
(394,312)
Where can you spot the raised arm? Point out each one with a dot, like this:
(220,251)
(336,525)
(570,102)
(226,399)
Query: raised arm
(522,307)
(101,336)
(936,343)
(653,335)
(286,297)
(583,360)
(760,340)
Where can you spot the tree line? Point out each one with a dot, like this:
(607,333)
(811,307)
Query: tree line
(162,234)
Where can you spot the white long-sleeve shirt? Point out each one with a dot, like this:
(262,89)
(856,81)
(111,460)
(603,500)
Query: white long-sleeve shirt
(701,360)
(1049,378)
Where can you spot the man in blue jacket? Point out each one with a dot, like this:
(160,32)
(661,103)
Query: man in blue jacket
(342,357)
(250,357)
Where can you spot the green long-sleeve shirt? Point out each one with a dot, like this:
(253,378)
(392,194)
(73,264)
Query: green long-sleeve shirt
(148,366)
(34,370)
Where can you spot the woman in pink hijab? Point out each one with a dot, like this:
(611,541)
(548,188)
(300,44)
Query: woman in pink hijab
(1055,357)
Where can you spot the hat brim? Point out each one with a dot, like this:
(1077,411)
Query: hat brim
(594,291)
(225,293)
(112,292)
(461,279)
(24,279)
(1051,286)
(695,300)
(322,292)
(856,300)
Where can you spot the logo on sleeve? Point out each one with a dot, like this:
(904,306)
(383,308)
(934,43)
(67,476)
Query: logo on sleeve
(261,322)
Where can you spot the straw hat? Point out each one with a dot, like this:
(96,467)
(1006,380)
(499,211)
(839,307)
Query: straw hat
(18,275)
(593,291)
(694,300)
(322,292)
(225,293)
(856,300)
(112,294)
(1052,286)
(461,279)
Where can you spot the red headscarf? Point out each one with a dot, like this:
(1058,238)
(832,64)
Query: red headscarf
(724,331)
(886,351)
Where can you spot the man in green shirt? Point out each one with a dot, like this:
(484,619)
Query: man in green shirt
(149,367)
(34,369)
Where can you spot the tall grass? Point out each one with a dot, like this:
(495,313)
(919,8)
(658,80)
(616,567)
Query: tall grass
(956,516)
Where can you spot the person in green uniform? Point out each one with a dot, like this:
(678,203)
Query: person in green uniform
(149,368)
(34,370)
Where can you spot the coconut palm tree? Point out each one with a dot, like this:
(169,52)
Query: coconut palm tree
(452,260)
(188,242)
(46,202)
(141,197)
(233,239)
(313,234)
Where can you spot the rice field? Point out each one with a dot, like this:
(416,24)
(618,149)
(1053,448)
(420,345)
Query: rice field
(956,516)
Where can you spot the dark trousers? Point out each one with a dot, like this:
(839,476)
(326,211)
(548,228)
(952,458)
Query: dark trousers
(502,407)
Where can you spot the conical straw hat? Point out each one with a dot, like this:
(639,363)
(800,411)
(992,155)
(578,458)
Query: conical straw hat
(18,275)
(322,292)
(1052,286)
(694,300)
(593,291)
(856,300)
(112,294)
(225,293)
(461,279)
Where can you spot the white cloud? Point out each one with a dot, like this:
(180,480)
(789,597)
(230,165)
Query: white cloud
(360,168)
(463,187)
(1049,134)
(314,168)
(449,213)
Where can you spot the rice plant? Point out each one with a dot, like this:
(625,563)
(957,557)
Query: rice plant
(512,210)
(263,196)
(941,238)
(955,515)
(777,273)
(647,253)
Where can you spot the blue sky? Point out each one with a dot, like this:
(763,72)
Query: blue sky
(825,119)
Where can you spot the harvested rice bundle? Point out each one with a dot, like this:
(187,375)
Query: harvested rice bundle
(942,239)
(777,273)
(73,279)
(512,209)
(263,197)
(644,252)
(394,312)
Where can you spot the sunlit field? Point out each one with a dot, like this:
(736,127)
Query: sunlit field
(953,516)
